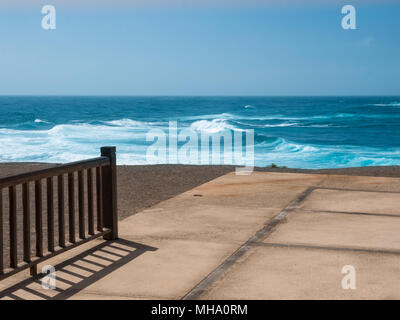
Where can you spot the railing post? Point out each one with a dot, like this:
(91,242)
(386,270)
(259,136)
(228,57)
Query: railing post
(109,183)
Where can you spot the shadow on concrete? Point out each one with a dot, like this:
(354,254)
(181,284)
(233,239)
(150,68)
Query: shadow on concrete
(79,272)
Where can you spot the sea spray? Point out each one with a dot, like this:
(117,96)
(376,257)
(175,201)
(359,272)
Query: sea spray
(302,132)
(189,146)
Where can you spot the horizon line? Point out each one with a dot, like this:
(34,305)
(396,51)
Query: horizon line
(198,95)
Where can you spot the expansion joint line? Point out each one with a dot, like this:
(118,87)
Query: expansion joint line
(327,247)
(261,234)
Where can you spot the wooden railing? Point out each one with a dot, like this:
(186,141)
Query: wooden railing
(92,184)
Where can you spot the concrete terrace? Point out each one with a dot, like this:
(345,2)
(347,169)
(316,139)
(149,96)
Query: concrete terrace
(263,236)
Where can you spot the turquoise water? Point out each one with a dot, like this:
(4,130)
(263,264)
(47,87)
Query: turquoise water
(300,132)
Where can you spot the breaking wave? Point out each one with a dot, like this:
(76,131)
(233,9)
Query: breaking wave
(213,126)
(294,132)
(391,104)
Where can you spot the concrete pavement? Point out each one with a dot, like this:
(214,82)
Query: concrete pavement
(263,236)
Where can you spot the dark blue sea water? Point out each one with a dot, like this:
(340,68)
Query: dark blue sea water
(301,132)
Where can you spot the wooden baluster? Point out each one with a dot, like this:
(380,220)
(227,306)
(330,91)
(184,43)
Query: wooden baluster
(38,218)
(61,211)
(99,198)
(13,226)
(71,207)
(50,215)
(90,200)
(26,221)
(81,198)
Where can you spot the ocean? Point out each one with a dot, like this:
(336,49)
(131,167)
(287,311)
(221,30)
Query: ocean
(297,132)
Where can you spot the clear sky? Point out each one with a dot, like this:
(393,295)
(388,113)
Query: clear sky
(219,47)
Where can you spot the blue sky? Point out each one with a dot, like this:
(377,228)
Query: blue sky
(187,48)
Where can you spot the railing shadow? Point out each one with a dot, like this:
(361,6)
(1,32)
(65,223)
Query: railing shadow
(79,272)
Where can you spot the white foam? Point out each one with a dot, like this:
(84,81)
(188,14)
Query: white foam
(69,142)
(391,104)
(77,141)
(40,121)
(214,126)
(132,123)
(230,116)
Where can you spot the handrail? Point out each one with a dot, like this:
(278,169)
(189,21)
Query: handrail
(95,190)
(53,171)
